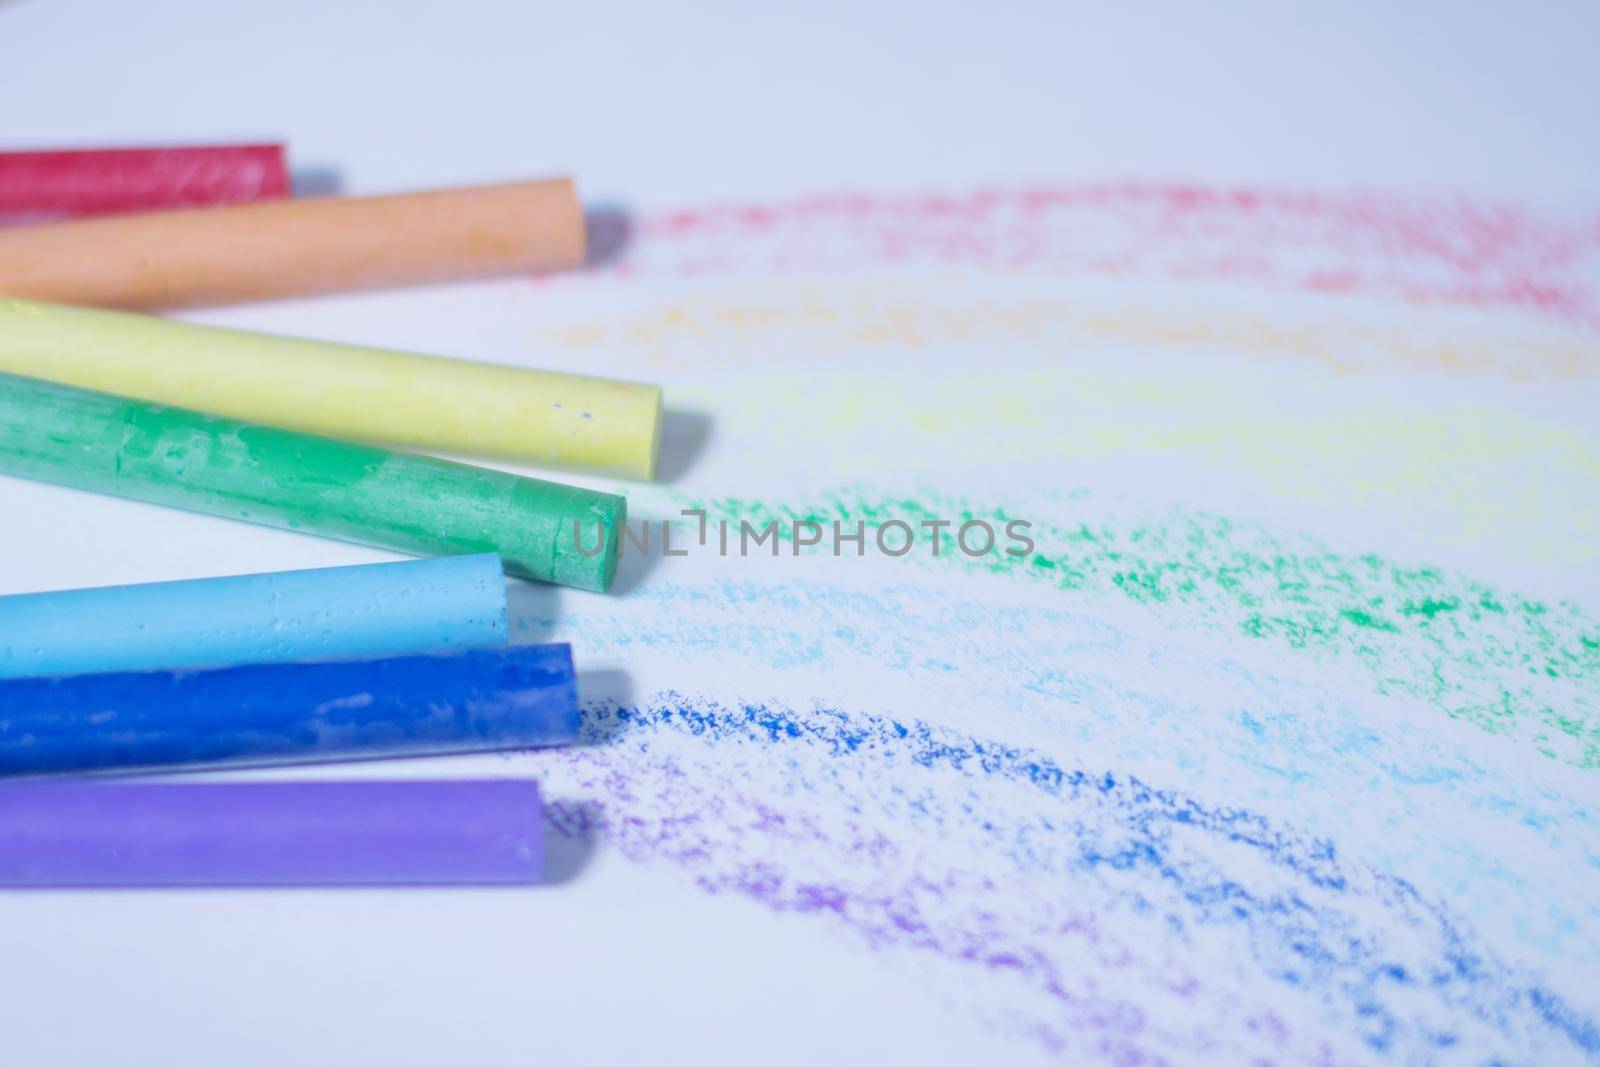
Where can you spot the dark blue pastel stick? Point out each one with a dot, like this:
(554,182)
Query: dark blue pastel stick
(469,701)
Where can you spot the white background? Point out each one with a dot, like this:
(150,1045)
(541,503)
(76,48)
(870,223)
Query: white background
(651,102)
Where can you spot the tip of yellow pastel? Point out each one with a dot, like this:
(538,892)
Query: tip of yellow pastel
(628,441)
(654,458)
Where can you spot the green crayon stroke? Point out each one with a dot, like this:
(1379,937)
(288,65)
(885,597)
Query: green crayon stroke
(1517,667)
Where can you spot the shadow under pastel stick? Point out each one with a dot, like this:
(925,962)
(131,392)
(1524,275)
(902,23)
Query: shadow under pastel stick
(375,609)
(422,832)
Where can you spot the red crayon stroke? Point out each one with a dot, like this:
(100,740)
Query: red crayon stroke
(1453,250)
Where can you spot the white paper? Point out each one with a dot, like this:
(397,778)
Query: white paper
(1280,745)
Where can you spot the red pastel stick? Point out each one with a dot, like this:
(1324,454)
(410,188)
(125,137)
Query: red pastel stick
(35,186)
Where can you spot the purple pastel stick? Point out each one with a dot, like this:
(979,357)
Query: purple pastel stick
(481,831)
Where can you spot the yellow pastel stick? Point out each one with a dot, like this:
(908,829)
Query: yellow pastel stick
(370,394)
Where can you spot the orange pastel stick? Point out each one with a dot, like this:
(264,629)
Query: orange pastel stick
(287,248)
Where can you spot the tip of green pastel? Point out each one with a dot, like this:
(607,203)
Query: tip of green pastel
(582,566)
(654,458)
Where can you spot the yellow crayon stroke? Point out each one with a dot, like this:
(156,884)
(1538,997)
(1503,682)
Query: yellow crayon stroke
(1465,473)
(1337,332)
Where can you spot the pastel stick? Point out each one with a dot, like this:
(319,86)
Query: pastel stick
(423,832)
(187,459)
(350,391)
(376,609)
(35,186)
(271,249)
(472,701)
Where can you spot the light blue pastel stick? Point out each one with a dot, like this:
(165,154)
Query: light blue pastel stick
(380,609)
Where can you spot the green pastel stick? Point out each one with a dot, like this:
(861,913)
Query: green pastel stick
(372,496)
